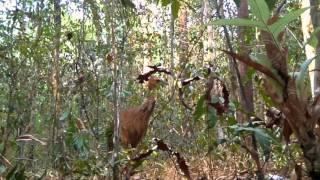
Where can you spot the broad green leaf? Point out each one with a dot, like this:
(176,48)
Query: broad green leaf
(257,131)
(165,2)
(128,3)
(237,2)
(212,117)
(231,120)
(175,6)
(200,109)
(221,141)
(281,24)
(1,147)
(11,173)
(271,3)
(266,98)
(2,169)
(215,99)
(16,173)
(263,138)
(232,107)
(80,143)
(313,40)
(240,22)
(64,116)
(264,60)
(260,9)
(20,174)
(302,74)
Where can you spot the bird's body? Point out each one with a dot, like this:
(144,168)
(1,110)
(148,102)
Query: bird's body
(134,123)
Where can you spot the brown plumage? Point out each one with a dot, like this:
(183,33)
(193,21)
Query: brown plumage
(134,123)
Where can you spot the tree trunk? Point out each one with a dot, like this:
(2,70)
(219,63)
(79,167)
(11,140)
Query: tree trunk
(310,20)
(183,37)
(302,125)
(246,98)
(55,76)
(183,61)
(116,104)
(172,40)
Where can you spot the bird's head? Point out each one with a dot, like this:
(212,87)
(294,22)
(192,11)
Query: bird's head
(155,82)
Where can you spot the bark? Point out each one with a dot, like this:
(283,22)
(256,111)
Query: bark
(183,60)
(246,98)
(310,143)
(55,76)
(310,20)
(172,41)
(183,39)
(116,104)
(301,116)
(235,74)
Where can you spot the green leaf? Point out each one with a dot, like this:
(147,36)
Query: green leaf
(271,3)
(1,147)
(302,74)
(262,137)
(11,173)
(237,2)
(200,109)
(175,6)
(260,9)
(214,99)
(221,141)
(64,116)
(164,2)
(128,3)
(281,24)
(80,143)
(264,60)
(313,40)
(2,169)
(20,174)
(212,117)
(240,22)
(16,173)
(266,98)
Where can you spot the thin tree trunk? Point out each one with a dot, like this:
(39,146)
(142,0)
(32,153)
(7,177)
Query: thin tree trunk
(246,98)
(172,39)
(55,76)
(310,20)
(183,39)
(183,60)
(96,21)
(234,75)
(116,114)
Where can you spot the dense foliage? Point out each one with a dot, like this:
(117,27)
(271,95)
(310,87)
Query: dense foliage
(70,69)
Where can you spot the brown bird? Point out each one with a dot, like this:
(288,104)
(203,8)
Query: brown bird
(134,123)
